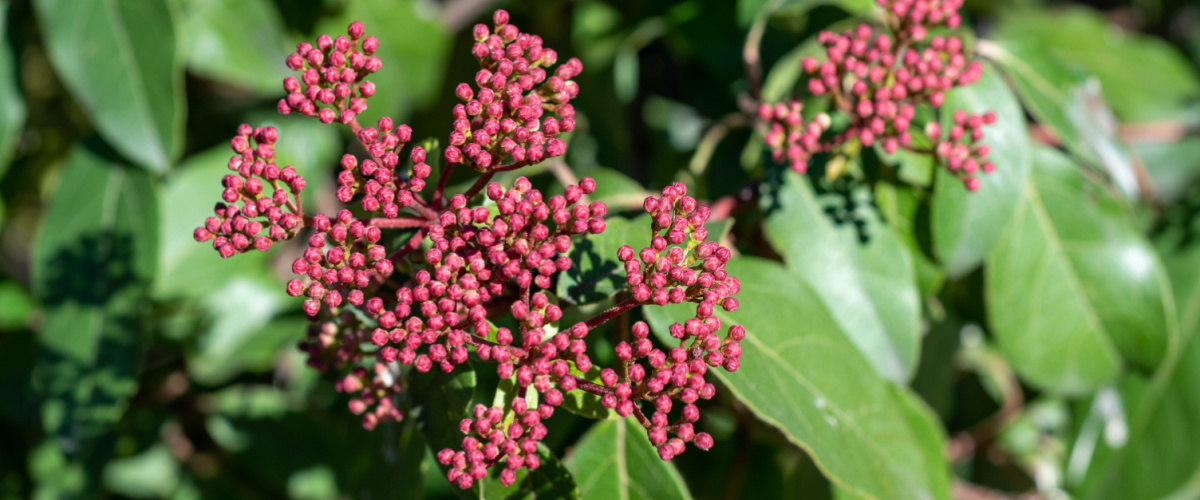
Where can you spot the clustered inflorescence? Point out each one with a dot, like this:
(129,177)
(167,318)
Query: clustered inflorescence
(878,79)
(236,229)
(501,117)
(434,300)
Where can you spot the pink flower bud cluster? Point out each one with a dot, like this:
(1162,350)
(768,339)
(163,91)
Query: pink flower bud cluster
(913,18)
(496,436)
(260,220)
(332,83)
(879,87)
(877,81)
(371,390)
(501,117)
(338,270)
(790,138)
(676,268)
(384,189)
(961,151)
(475,254)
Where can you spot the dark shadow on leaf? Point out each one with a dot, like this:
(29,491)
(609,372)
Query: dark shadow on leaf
(91,271)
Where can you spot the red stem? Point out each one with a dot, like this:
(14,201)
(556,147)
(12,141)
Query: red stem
(479,184)
(443,177)
(611,313)
(396,223)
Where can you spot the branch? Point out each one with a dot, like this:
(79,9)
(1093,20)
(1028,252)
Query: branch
(396,223)
(478,185)
(443,177)
(611,313)
(708,144)
(750,50)
(456,14)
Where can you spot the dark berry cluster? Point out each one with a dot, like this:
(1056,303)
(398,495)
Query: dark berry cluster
(876,78)
(237,228)
(332,85)
(501,118)
(337,270)
(960,151)
(384,189)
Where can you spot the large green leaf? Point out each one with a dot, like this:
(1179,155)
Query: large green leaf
(858,268)
(413,46)
(616,460)
(595,273)
(93,261)
(119,60)
(967,225)
(1158,457)
(802,374)
(12,105)
(237,41)
(1073,291)
(1062,97)
(1142,77)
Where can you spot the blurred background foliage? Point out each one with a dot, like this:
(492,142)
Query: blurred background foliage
(134,363)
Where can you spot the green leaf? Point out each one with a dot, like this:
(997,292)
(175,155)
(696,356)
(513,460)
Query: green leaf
(614,188)
(93,260)
(596,274)
(12,105)
(860,270)
(242,333)
(1157,459)
(584,403)
(1073,291)
(967,225)
(801,374)
(1062,97)
(413,46)
(616,460)
(786,72)
(240,42)
(153,473)
(1125,63)
(120,62)
(1173,166)
(18,306)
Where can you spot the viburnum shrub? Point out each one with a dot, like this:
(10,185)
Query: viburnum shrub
(874,81)
(473,257)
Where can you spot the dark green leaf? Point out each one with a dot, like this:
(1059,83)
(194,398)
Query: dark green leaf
(616,460)
(94,259)
(595,273)
(120,62)
(860,270)
(1142,78)
(801,373)
(240,42)
(1073,290)
(967,225)
(413,46)
(12,105)
(1156,459)
(1062,97)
